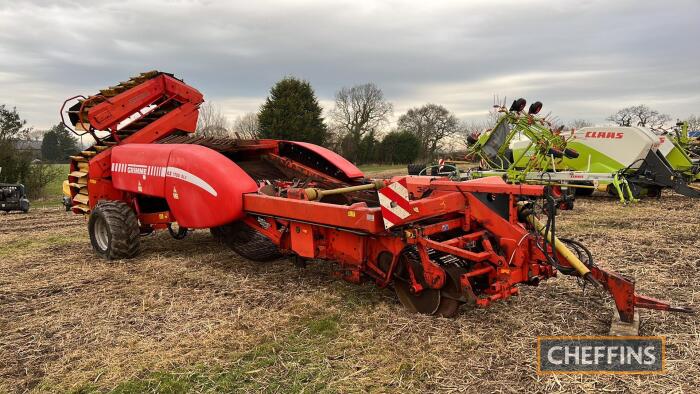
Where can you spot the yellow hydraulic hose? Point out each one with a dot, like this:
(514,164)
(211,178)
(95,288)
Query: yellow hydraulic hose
(561,248)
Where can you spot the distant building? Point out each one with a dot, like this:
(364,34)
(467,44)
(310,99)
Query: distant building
(31,146)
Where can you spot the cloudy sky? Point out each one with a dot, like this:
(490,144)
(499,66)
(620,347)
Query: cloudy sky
(583,59)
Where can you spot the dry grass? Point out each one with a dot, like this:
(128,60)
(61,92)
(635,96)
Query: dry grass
(191,315)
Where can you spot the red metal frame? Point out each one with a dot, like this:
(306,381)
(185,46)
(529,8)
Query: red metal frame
(344,234)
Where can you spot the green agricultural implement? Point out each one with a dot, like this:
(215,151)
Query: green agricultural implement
(526,148)
(681,151)
(627,162)
(646,161)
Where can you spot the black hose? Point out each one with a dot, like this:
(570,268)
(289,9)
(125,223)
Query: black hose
(581,251)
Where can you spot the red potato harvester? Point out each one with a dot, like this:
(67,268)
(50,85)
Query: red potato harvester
(438,242)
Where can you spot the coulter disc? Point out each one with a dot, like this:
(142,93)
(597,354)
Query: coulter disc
(450,295)
(427,301)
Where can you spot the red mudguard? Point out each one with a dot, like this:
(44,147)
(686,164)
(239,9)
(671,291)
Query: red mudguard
(349,169)
(203,188)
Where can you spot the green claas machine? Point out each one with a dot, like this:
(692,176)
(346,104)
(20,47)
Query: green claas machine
(628,162)
(637,156)
(681,151)
(523,147)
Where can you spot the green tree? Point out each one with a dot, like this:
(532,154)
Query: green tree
(11,125)
(364,151)
(14,163)
(49,147)
(399,147)
(58,144)
(292,112)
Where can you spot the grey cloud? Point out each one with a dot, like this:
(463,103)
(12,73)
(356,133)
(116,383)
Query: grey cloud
(583,59)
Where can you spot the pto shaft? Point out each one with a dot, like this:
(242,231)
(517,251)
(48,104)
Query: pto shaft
(314,194)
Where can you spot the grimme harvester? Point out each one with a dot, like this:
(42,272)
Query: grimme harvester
(439,243)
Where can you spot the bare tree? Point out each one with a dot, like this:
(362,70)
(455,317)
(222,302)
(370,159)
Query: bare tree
(470,130)
(432,124)
(36,135)
(639,115)
(359,110)
(212,122)
(247,126)
(579,123)
(693,123)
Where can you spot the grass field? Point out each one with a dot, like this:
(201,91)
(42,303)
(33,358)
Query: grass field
(53,192)
(191,315)
(383,170)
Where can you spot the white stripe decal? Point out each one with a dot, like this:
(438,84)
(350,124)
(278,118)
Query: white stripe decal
(387,223)
(385,202)
(399,189)
(177,173)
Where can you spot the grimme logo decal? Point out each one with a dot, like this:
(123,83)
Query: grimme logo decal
(601,355)
(136,169)
(604,134)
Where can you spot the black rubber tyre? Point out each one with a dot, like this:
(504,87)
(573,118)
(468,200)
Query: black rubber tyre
(584,192)
(247,242)
(24,206)
(415,169)
(178,232)
(114,230)
(218,233)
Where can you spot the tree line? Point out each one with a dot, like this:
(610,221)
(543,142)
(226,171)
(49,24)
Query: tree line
(20,165)
(357,127)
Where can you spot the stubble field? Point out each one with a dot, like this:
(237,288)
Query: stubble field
(191,315)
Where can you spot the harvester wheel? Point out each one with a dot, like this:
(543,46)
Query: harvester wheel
(247,242)
(217,233)
(114,230)
(584,191)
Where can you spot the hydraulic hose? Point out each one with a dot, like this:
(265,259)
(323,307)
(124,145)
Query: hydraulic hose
(562,249)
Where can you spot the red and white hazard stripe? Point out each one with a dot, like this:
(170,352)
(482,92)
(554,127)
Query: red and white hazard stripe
(393,200)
